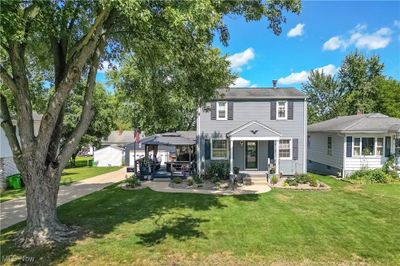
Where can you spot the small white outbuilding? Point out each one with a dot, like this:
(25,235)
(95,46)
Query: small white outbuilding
(108,156)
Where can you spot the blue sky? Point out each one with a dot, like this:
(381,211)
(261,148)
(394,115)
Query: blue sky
(318,38)
(260,56)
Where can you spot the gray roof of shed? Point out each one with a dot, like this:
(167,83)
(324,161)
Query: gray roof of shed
(117,137)
(260,93)
(373,122)
(173,138)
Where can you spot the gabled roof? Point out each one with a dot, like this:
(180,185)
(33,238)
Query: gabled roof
(119,137)
(372,123)
(259,93)
(254,128)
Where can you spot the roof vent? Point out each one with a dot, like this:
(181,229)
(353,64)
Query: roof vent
(274,81)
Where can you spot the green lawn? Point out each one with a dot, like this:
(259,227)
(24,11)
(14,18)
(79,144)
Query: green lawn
(69,176)
(351,224)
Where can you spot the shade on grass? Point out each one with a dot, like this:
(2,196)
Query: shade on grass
(69,176)
(350,223)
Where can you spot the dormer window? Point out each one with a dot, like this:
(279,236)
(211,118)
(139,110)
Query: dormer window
(282,110)
(222,110)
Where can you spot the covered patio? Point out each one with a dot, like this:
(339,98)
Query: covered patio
(182,163)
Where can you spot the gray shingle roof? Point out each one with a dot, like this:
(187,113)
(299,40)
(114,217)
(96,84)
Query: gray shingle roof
(117,137)
(260,93)
(373,122)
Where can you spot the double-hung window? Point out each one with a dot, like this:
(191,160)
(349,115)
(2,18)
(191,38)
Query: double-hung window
(282,110)
(329,145)
(222,110)
(379,146)
(285,149)
(367,146)
(219,149)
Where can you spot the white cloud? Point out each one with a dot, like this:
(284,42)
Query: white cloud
(240,59)
(333,43)
(302,76)
(396,23)
(296,31)
(241,82)
(360,39)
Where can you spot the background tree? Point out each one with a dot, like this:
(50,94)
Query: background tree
(155,84)
(65,41)
(357,76)
(358,86)
(388,97)
(323,96)
(101,124)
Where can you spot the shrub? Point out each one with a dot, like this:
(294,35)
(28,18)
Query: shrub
(370,176)
(274,180)
(176,180)
(313,181)
(190,182)
(292,182)
(132,181)
(198,179)
(236,170)
(218,170)
(302,178)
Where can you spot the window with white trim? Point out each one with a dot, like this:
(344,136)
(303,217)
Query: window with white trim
(368,146)
(219,149)
(329,145)
(379,146)
(285,149)
(222,110)
(357,147)
(281,110)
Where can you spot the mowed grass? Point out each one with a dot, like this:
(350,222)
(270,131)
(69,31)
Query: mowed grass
(351,224)
(69,176)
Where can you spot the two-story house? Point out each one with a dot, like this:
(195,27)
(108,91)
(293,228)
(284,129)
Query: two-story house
(255,129)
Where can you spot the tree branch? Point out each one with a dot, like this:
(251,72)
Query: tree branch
(8,80)
(71,75)
(9,129)
(87,111)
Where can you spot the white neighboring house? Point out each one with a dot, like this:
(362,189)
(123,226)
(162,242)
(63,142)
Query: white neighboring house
(7,165)
(109,156)
(342,145)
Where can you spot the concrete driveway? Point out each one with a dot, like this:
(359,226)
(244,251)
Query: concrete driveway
(14,211)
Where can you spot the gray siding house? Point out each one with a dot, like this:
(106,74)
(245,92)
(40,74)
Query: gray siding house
(254,129)
(342,145)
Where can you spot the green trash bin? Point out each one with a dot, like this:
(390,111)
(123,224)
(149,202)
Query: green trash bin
(14,181)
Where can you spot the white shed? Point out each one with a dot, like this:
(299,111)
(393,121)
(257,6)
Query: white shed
(108,156)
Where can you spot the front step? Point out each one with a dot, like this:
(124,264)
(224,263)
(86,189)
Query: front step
(257,180)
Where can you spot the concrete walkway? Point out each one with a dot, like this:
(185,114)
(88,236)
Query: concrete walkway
(243,190)
(14,211)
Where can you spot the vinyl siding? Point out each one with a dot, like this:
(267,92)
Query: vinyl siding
(246,111)
(318,149)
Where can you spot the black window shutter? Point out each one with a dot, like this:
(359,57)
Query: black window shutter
(290,110)
(230,110)
(273,110)
(207,149)
(387,146)
(295,149)
(349,146)
(271,152)
(213,110)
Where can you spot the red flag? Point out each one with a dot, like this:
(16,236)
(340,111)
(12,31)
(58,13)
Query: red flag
(136,136)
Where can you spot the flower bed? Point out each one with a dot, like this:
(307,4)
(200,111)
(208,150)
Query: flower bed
(301,182)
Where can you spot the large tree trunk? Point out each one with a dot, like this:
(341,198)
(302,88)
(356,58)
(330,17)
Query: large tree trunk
(43,226)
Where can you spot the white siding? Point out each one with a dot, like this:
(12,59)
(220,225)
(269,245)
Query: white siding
(318,149)
(366,162)
(108,156)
